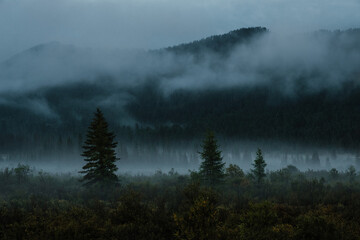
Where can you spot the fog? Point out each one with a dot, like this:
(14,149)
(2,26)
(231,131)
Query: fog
(145,160)
(288,56)
(324,59)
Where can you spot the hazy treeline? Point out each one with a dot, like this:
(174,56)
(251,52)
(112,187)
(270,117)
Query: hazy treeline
(146,150)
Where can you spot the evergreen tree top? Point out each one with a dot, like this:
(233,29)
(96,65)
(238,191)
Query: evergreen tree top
(210,146)
(99,152)
(212,167)
(259,166)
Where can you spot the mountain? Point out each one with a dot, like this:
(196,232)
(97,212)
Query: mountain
(248,84)
(51,49)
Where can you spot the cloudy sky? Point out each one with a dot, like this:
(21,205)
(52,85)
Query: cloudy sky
(147,24)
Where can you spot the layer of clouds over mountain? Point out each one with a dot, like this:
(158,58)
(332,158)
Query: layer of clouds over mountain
(52,78)
(91,42)
(322,59)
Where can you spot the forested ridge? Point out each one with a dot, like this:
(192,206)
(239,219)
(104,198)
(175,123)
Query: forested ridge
(221,44)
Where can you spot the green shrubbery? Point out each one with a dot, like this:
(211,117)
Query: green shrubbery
(288,204)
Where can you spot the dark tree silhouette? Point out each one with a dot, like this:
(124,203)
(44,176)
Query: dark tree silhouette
(212,167)
(99,153)
(259,167)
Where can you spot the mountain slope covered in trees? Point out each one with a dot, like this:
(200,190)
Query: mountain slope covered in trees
(247,84)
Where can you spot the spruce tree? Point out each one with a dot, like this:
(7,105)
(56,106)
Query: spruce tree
(259,167)
(212,167)
(99,153)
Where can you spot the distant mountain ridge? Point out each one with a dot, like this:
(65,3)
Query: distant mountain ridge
(41,49)
(220,43)
(216,43)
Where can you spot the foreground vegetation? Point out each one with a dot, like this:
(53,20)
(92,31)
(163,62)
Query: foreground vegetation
(287,204)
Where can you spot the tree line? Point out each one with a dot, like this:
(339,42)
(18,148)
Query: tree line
(216,202)
(100,157)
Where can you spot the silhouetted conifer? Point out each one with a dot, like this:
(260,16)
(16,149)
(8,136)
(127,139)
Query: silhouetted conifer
(99,153)
(259,167)
(212,167)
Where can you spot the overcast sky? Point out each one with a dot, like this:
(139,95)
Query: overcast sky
(157,23)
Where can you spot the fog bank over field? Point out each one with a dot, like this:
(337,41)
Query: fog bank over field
(147,159)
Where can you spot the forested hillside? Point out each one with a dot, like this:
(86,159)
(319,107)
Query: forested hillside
(248,84)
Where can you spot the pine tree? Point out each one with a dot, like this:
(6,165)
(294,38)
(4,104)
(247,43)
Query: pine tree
(259,167)
(212,167)
(99,153)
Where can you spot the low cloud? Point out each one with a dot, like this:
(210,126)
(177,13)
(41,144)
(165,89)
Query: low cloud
(64,76)
(324,59)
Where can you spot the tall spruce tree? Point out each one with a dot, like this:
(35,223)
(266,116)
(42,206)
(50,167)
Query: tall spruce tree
(259,167)
(99,153)
(212,167)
